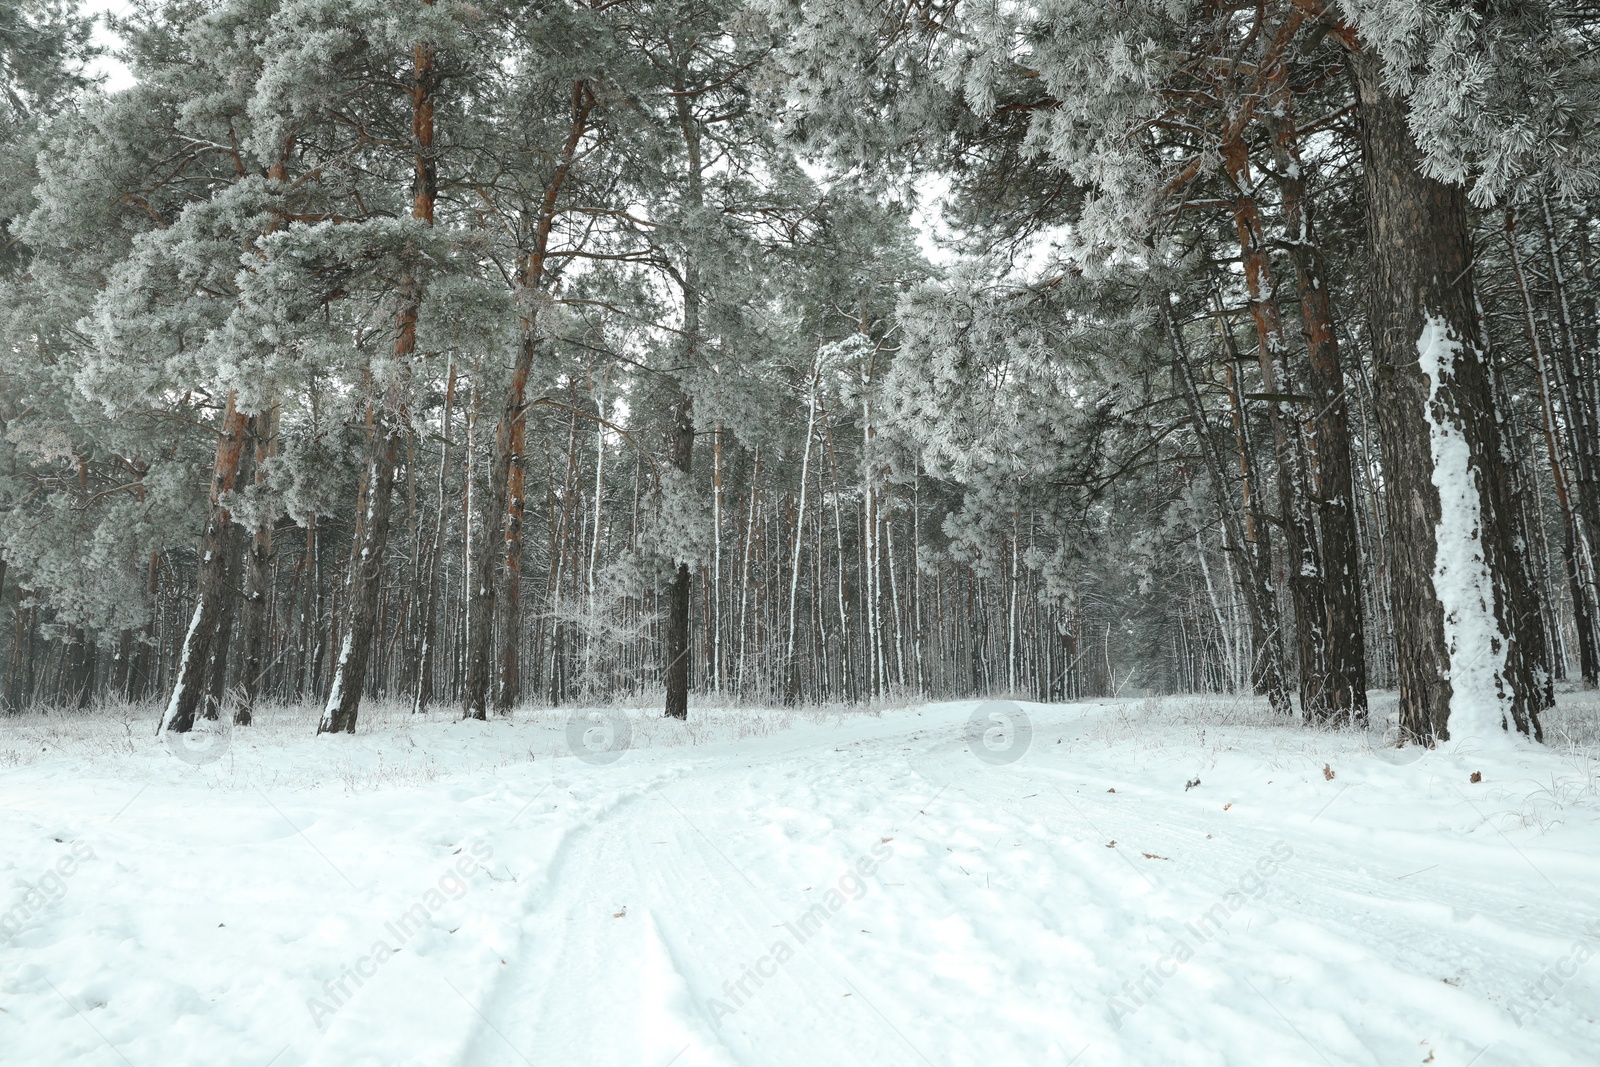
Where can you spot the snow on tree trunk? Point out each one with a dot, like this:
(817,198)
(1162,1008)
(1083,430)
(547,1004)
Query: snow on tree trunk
(1469,644)
(1480,696)
(361,621)
(216,545)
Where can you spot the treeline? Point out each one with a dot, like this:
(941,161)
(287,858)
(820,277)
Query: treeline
(592,626)
(484,354)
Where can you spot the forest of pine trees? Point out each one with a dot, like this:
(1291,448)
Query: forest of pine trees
(485,354)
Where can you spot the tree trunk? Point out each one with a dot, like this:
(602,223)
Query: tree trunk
(76,688)
(510,626)
(1305,578)
(1573,380)
(147,650)
(682,443)
(492,509)
(677,630)
(257,573)
(791,666)
(1345,688)
(366,577)
(217,675)
(1254,581)
(435,553)
(1469,646)
(1578,561)
(213,585)
(366,574)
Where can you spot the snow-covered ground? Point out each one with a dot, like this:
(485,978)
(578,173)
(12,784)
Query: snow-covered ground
(1140,882)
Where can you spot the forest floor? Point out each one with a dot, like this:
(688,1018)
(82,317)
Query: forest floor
(1149,882)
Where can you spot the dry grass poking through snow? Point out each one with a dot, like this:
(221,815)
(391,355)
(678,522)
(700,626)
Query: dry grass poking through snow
(1204,730)
(1218,721)
(391,745)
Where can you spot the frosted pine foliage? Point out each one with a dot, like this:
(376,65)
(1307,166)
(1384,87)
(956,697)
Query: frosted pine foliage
(1501,95)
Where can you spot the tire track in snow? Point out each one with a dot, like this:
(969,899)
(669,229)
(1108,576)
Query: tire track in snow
(1327,923)
(481,995)
(703,924)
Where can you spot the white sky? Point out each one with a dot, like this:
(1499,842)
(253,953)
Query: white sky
(116,75)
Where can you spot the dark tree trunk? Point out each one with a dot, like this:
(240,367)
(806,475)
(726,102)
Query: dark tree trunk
(146,650)
(1345,687)
(492,509)
(222,645)
(491,547)
(366,580)
(510,623)
(308,678)
(679,591)
(214,585)
(123,660)
(1571,377)
(435,554)
(253,665)
(1576,561)
(217,678)
(77,669)
(366,569)
(1481,660)
(1301,556)
(257,574)
(14,661)
(678,666)
(1255,585)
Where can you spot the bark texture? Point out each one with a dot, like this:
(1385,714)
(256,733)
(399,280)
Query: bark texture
(1421,271)
(372,538)
(1344,686)
(366,572)
(492,507)
(510,626)
(257,583)
(679,590)
(1301,556)
(213,583)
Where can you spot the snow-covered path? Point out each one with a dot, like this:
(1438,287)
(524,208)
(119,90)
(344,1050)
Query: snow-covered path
(851,889)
